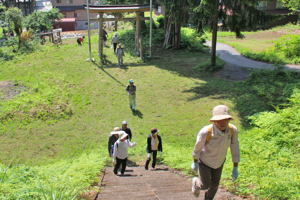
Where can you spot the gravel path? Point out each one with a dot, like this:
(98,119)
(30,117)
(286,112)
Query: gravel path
(233,57)
(161,184)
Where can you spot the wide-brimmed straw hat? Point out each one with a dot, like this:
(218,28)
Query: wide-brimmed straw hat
(116,131)
(123,135)
(220,112)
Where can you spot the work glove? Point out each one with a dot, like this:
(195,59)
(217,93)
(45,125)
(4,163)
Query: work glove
(195,166)
(235,173)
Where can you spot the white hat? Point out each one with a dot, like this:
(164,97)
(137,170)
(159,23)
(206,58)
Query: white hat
(220,112)
(123,135)
(116,130)
(124,122)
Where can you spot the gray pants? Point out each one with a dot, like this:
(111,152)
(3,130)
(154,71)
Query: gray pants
(120,60)
(210,179)
(132,103)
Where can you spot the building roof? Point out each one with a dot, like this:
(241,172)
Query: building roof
(118,8)
(70,8)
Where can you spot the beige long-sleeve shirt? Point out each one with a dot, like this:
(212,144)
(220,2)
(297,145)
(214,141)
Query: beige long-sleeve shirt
(213,153)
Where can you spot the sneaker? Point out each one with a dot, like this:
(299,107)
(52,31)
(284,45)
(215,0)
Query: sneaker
(195,187)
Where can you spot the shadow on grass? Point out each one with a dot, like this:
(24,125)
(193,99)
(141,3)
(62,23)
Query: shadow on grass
(107,73)
(263,90)
(137,113)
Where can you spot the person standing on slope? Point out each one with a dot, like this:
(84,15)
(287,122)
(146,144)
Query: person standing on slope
(210,152)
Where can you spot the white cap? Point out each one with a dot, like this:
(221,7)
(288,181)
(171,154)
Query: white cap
(124,122)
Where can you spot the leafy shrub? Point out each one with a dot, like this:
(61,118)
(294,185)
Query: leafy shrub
(5,54)
(289,45)
(285,50)
(271,153)
(160,21)
(191,40)
(58,181)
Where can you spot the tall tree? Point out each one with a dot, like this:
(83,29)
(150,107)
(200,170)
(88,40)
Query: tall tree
(237,14)
(176,14)
(293,5)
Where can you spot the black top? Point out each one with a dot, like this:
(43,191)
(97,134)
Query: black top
(128,131)
(149,144)
(131,89)
(111,141)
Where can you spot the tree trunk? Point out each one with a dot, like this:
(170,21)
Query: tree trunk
(172,35)
(214,33)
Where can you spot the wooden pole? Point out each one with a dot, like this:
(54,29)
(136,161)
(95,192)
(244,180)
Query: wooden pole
(150,40)
(139,35)
(89,31)
(100,44)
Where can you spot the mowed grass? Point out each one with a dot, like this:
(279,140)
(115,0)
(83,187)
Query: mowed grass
(96,97)
(257,41)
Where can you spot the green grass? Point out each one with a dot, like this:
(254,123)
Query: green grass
(256,45)
(61,151)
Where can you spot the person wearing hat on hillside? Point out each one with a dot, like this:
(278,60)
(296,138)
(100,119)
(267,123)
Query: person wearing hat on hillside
(154,144)
(113,137)
(131,89)
(121,152)
(115,41)
(210,151)
(120,53)
(126,129)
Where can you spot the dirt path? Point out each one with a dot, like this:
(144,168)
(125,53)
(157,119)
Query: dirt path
(161,184)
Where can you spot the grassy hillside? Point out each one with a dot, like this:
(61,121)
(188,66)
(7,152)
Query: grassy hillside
(54,133)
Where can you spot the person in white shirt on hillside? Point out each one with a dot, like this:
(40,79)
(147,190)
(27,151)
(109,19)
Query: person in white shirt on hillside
(210,152)
(120,152)
(115,41)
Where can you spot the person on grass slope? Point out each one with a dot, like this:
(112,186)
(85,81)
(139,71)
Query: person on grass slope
(210,152)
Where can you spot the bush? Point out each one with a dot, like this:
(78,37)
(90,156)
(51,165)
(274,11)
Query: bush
(285,50)
(289,46)
(61,180)
(191,40)
(271,153)
(160,21)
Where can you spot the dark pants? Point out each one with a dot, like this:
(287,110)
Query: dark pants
(120,162)
(154,154)
(115,46)
(210,179)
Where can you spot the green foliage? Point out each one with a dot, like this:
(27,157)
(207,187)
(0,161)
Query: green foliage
(293,5)
(14,18)
(161,21)
(285,50)
(191,40)
(271,153)
(57,181)
(289,46)
(40,21)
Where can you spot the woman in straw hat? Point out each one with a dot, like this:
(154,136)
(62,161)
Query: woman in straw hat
(210,151)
